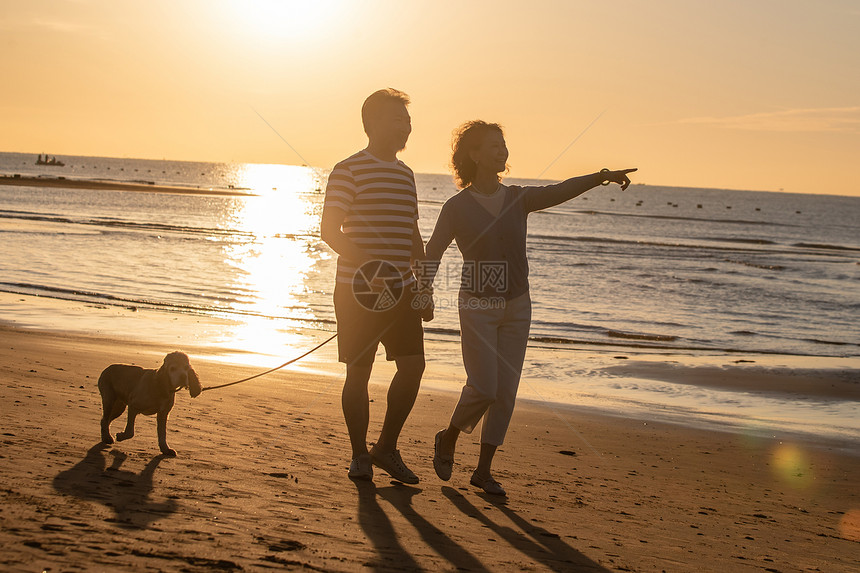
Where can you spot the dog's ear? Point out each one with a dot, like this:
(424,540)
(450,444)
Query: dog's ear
(194,387)
(161,374)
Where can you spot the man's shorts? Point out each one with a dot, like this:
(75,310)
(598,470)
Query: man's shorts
(360,330)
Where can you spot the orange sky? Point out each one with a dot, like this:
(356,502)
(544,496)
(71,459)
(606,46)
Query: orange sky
(743,94)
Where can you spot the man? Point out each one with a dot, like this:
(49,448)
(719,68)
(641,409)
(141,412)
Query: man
(370,219)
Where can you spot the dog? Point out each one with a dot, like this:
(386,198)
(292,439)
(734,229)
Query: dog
(145,391)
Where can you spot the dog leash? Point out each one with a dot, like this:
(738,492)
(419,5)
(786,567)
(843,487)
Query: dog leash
(287,363)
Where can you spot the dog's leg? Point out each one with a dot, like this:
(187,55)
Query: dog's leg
(161,425)
(107,408)
(113,409)
(112,406)
(129,426)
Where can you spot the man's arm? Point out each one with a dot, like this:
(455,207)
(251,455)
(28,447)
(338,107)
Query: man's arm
(417,245)
(334,237)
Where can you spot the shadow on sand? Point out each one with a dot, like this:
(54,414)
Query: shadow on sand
(537,543)
(379,530)
(127,493)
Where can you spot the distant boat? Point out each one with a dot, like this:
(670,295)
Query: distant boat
(52,161)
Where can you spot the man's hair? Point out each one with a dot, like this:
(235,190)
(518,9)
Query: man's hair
(467,138)
(376,102)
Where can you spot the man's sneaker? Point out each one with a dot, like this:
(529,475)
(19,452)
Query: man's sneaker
(361,467)
(392,463)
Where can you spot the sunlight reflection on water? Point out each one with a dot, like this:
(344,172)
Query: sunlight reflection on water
(272,267)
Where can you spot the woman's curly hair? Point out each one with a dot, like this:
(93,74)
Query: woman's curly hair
(467,138)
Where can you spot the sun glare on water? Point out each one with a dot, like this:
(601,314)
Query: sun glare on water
(274,265)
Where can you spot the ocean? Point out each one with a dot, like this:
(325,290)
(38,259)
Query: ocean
(649,269)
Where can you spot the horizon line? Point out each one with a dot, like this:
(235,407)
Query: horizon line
(521,178)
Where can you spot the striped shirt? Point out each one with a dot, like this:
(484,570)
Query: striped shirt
(381,206)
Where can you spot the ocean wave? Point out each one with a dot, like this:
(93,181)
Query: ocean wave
(535,238)
(79,295)
(631,340)
(667,217)
(643,243)
(756,265)
(744,246)
(830,342)
(739,240)
(89,296)
(825,247)
(641,336)
(120,224)
(591,336)
(158,228)
(817,341)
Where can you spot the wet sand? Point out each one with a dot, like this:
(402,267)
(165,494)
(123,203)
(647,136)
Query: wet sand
(63,183)
(260,482)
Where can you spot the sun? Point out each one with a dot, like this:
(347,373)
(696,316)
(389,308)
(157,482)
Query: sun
(281,20)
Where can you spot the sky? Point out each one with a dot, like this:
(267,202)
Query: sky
(735,94)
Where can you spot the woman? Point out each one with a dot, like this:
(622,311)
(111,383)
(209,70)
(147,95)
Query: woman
(488,221)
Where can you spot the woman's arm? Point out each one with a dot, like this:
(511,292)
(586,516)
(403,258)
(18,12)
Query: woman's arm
(425,288)
(442,237)
(426,267)
(417,244)
(544,197)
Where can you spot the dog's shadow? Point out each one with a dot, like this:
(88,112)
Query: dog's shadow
(126,492)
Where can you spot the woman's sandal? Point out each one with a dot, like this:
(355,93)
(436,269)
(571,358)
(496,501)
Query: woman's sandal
(442,465)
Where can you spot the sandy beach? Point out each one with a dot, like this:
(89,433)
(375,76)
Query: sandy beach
(260,482)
